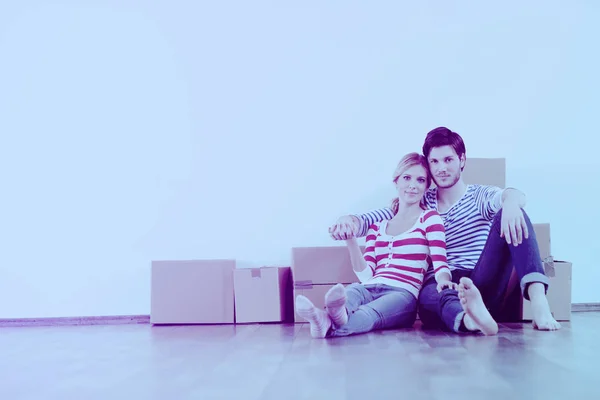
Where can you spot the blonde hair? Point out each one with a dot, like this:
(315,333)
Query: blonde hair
(408,161)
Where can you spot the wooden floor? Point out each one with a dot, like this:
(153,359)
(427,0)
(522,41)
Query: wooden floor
(284,362)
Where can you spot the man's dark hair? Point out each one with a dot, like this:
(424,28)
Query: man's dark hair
(442,136)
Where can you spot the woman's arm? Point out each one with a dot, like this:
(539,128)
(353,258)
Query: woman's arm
(363,264)
(436,237)
(369,218)
(348,226)
(359,264)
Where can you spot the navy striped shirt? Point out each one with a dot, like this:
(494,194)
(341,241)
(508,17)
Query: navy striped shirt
(467,222)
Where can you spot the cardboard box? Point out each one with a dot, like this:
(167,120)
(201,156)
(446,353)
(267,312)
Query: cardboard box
(485,171)
(559,291)
(542,234)
(192,292)
(322,265)
(263,294)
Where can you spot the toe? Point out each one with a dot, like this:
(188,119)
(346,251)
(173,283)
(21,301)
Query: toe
(467,283)
(557,326)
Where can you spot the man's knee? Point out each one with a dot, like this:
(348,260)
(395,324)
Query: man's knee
(498,217)
(447,295)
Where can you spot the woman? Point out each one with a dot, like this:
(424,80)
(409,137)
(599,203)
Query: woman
(398,253)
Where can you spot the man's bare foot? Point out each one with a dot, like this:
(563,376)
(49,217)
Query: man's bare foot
(542,317)
(476,315)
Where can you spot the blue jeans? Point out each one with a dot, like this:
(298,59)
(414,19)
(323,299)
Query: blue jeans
(374,307)
(491,275)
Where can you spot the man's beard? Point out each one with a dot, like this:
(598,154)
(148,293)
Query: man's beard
(449,183)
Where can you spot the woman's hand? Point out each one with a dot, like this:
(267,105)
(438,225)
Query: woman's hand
(446,285)
(345,227)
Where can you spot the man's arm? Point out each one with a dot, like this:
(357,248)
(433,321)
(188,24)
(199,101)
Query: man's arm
(512,196)
(492,199)
(357,225)
(513,225)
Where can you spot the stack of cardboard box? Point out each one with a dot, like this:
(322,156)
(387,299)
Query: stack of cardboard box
(317,269)
(216,292)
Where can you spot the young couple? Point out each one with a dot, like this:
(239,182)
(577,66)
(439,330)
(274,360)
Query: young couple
(447,252)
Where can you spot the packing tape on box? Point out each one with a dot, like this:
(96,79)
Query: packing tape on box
(255,272)
(303,284)
(549,267)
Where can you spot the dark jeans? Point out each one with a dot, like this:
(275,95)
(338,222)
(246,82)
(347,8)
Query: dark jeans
(491,275)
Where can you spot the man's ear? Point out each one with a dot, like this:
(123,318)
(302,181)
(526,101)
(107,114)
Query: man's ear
(463,161)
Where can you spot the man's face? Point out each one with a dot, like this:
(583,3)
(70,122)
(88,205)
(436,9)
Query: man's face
(445,166)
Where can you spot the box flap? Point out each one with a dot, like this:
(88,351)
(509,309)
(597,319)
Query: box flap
(549,267)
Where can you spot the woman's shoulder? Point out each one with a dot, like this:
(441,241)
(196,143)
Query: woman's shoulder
(430,215)
(376,226)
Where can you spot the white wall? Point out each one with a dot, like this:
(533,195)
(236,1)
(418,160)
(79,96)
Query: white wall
(135,132)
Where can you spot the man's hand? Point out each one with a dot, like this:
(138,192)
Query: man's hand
(345,227)
(446,284)
(513,225)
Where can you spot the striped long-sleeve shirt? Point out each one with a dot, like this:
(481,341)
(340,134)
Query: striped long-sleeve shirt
(467,223)
(402,260)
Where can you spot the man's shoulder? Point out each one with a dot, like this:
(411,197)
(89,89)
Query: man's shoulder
(431,197)
(485,193)
(478,188)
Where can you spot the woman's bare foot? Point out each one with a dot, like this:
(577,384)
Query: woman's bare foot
(540,310)
(476,315)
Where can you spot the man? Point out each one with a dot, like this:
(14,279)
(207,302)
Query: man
(487,233)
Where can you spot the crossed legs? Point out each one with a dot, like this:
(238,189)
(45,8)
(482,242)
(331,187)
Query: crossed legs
(359,309)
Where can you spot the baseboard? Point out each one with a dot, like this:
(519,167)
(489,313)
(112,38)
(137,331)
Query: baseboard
(585,307)
(145,319)
(65,321)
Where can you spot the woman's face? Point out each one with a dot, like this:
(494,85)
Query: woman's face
(411,184)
